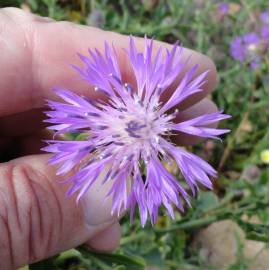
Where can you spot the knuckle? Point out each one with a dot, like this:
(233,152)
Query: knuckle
(29,218)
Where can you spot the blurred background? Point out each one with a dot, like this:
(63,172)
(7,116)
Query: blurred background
(229,227)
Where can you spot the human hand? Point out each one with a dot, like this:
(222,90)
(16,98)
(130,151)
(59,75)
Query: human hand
(36,218)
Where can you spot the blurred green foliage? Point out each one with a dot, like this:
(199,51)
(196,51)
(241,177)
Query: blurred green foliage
(241,92)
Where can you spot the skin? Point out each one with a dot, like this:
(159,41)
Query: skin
(36,218)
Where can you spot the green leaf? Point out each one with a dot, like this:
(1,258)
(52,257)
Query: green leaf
(130,262)
(258,232)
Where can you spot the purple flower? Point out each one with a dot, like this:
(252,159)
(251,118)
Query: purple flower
(265,33)
(264,17)
(237,49)
(128,135)
(251,39)
(223,8)
(254,64)
(246,48)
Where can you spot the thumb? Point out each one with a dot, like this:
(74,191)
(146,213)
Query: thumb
(37,220)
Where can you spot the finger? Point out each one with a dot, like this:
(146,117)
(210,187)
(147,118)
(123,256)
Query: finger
(37,220)
(107,240)
(203,107)
(42,63)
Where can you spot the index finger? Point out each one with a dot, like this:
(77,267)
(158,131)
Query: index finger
(37,54)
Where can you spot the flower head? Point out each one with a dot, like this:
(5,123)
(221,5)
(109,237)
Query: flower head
(251,47)
(251,39)
(265,33)
(223,8)
(128,134)
(265,156)
(246,48)
(237,49)
(264,17)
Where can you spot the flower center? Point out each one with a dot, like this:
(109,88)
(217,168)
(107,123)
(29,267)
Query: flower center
(252,47)
(131,124)
(135,124)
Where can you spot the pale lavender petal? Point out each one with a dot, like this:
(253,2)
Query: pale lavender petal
(187,87)
(194,169)
(197,126)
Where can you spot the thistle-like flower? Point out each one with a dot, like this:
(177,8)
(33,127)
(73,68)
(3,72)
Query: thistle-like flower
(251,47)
(128,134)
(223,8)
